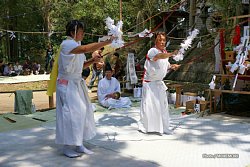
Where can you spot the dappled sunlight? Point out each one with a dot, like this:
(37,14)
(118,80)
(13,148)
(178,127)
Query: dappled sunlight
(118,141)
(115,120)
(211,132)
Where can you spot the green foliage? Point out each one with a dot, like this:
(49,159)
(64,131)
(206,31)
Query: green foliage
(52,15)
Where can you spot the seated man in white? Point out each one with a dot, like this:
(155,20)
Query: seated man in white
(109,91)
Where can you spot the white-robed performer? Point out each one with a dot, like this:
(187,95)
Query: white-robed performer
(109,91)
(74,113)
(154,115)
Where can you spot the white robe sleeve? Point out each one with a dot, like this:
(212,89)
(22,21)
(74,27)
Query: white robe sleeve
(152,53)
(101,92)
(117,86)
(69,59)
(154,65)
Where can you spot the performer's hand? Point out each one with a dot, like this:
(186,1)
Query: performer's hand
(175,66)
(111,95)
(97,58)
(155,58)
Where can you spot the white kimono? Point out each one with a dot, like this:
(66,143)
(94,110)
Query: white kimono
(74,113)
(154,115)
(106,87)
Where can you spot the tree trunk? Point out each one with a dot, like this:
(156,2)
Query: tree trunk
(46,17)
(192,12)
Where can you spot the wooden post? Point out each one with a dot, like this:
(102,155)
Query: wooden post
(191,14)
(120,10)
(51,101)
(178,96)
(211,100)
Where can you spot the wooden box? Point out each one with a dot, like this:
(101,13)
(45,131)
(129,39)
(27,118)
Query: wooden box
(190,105)
(203,105)
(229,55)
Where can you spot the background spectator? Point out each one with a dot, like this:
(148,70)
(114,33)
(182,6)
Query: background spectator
(18,68)
(97,68)
(1,66)
(8,70)
(49,58)
(117,65)
(35,68)
(26,68)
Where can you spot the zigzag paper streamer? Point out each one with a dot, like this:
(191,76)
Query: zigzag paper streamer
(115,31)
(186,45)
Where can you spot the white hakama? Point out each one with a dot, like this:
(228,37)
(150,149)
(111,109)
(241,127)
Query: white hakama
(154,108)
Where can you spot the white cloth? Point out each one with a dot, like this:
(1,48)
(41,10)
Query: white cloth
(154,115)
(106,87)
(131,74)
(74,113)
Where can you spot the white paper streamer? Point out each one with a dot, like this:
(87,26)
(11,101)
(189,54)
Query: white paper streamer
(229,64)
(50,33)
(186,45)
(241,56)
(199,45)
(144,33)
(212,83)
(131,74)
(12,35)
(115,31)
(168,43)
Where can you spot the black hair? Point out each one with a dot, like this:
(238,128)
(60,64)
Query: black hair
(86,72)
(102,49)
(160,33)
(70,27)
(116,54)
(108,67)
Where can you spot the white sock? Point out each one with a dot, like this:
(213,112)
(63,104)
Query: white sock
(169,132)
(83,149)
(69,152)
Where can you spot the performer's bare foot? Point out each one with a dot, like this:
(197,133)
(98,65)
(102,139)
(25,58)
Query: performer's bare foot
(67,151)
(83,149)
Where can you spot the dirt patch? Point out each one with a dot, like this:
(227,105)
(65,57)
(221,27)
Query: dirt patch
(39,85)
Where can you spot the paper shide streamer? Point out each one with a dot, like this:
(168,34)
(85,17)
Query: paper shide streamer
(240,64)
(186,45)
(115,31)
(12,35)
